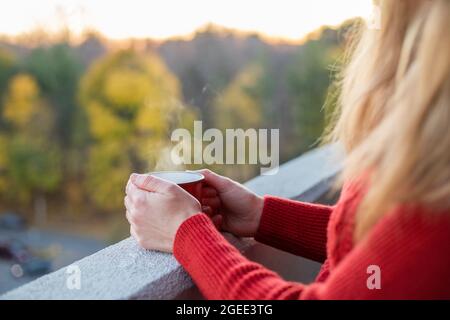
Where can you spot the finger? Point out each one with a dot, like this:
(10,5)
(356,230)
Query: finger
(211,202)
(209,192)
(151,183)
(127,186)
(128,216)
(134,192)
(129,206)
(220,183)
(207,210)
(127,202)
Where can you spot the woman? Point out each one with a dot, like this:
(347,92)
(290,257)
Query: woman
(393,217)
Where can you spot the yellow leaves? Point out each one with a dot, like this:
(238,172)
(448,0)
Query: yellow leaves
(151,119)
(107,172)
(237,107)
(104,123)
(31,165)
(130,100)
(22,99)
(26,110)
(129,93)
(126,88)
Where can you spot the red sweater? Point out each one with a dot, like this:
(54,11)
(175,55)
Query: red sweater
(411,249)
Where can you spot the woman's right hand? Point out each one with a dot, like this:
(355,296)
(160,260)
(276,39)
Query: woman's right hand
(232,206)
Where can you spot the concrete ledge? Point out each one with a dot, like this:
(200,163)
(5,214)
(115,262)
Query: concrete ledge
(304,178)
(126,271)
(121,271)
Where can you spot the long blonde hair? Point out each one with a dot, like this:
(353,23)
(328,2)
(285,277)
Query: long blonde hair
(394,110)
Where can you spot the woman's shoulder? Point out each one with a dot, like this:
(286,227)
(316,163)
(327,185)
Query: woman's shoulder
(421,231)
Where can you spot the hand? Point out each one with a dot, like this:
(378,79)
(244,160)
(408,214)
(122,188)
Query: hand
(232,206)
(155,210)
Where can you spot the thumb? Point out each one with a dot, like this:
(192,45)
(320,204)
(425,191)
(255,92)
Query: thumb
(151,183)
(218,182)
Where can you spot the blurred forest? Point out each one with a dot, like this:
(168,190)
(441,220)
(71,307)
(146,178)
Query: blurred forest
(77,118)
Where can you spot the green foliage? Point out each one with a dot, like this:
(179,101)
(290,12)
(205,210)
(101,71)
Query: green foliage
(239,106)
(7,68)
(75,122)
(57,72)
(32,167)
(30,163)
(7,65)
(308,84)
(131,101)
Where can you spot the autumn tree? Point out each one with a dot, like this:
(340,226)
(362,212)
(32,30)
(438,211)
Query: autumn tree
(132,102)
(311,82)
(30,163)
(7,66)
(57,70)
(239,104)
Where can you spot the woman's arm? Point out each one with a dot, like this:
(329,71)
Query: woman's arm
(296,227)
(410,255)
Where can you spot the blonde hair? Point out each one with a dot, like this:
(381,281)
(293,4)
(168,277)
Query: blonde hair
(394,110)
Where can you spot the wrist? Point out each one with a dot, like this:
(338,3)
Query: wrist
(258,206)
(189,209)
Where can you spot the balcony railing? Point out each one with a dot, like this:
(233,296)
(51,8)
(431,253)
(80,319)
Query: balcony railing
(126,271)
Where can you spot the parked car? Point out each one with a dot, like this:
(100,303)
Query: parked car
(36,266)
(18,252)
(13,249)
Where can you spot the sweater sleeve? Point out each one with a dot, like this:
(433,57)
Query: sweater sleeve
(399,260)
(296,227)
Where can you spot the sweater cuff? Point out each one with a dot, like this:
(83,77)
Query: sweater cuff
(197,239)
(296,227)
(204,253)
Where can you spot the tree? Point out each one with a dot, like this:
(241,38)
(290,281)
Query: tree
(132,102)
(57,72)
(309,81)
(7,68)
(239,105)
(30,163)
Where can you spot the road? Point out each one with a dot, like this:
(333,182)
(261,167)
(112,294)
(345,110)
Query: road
(62,249)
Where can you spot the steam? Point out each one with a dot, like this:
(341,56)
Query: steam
(166,161)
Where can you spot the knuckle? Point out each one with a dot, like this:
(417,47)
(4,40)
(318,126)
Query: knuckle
(140,199)
(170,187)
(207,172)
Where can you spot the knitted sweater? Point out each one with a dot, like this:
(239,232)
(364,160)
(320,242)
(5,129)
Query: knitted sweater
(406,255)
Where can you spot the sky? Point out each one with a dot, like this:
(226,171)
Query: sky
(118,19)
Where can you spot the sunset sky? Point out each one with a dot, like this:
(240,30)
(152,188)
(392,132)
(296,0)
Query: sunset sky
(290,19)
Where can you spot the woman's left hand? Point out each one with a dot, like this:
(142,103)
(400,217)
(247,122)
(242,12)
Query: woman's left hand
(155,210)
